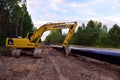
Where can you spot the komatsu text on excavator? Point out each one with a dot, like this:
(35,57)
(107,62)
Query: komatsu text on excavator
(31,43)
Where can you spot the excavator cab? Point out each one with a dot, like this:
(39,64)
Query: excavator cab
(29,35)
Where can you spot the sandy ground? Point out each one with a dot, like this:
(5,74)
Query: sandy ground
(53,65)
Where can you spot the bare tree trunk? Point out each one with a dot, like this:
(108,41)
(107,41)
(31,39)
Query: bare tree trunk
(22,24)
(16,29)
(0,23)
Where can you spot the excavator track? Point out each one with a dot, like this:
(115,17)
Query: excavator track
(16,52)
(37,53)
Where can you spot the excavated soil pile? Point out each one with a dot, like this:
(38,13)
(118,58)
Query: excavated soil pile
(54,66)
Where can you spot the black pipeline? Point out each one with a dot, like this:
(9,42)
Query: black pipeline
(103,55)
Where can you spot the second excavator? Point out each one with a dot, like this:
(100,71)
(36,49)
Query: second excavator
(31,43)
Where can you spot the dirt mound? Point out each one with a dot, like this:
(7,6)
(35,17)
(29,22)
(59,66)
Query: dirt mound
(54,66)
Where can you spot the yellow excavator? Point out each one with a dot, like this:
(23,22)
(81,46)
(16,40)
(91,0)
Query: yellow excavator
(31,43)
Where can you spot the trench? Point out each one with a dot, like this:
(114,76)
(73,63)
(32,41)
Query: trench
(112,57)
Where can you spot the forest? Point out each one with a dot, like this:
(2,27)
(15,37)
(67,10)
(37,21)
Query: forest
(16,21)
(93,34)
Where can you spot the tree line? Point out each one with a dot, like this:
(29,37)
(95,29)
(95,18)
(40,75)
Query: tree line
(94,33)
(14,19)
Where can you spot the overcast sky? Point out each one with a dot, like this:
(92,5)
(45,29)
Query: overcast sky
(44,11)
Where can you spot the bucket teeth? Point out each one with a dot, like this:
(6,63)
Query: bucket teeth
(67,50)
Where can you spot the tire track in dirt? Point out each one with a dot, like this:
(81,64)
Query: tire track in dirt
(76,68)
(33,67)
(61,77)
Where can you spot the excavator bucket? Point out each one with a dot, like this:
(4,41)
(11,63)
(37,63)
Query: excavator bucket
(67,50)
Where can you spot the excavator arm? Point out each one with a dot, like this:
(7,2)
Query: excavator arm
(53,26)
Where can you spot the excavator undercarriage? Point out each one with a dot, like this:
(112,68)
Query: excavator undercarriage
(35,52)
